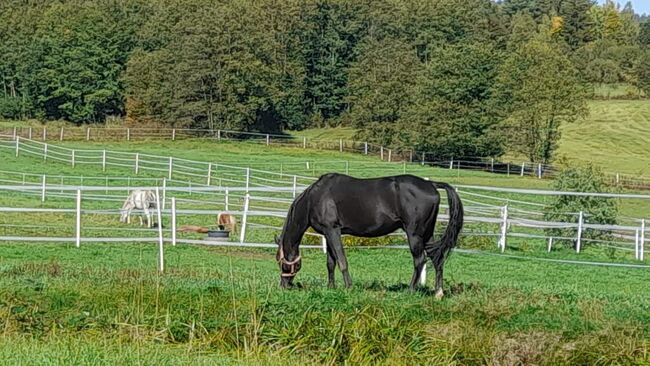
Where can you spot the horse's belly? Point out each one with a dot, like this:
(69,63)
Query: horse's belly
(371,230)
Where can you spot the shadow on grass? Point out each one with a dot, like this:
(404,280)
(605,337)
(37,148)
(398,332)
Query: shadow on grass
(452,289)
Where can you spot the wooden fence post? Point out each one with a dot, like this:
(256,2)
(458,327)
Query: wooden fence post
(104,160)
(137,163)
(294,186)
(504,228)
(61,135)
(43,189)
(17,145)
(365,148)
(171,168)
(642,241)
(164,192)
(209,174)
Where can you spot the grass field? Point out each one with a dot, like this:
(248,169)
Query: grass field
(616,136)
(107,304)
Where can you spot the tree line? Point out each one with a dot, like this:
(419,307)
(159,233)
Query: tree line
(460,78)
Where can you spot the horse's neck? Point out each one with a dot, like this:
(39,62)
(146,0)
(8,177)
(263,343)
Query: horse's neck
(295,226)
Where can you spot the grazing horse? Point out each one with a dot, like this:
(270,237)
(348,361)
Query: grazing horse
(338,204)
(141,200)
(226,221)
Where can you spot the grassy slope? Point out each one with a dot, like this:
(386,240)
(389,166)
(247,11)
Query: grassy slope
(615,136)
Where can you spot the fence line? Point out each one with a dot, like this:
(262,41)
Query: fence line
(505,221)
(475,163)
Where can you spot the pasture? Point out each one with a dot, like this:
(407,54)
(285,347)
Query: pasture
(106,303)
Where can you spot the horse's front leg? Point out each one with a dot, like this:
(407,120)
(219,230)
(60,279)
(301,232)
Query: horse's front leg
(331,267)
(147,214)
(334,242)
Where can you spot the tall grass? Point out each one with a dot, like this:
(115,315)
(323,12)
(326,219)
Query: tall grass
(107,305)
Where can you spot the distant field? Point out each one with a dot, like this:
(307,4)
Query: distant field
(616,136)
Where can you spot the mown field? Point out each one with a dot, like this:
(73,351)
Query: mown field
(615,136)
(106,303)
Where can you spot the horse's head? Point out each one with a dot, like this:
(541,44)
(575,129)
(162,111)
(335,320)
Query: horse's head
(289,267)
(124,215)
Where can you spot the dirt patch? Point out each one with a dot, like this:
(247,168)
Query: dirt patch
(525,348)
(51,269)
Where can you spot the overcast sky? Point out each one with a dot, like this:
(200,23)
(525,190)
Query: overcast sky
(640,6)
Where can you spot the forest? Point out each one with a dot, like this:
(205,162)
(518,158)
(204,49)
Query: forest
(455,77)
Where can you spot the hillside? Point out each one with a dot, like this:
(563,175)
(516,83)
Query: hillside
(615,136)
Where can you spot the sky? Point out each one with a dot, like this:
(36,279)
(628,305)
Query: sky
(640,6)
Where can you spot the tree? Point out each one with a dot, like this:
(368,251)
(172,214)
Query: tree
(539,90)
(596,210)
(644,34)
(643,71)
(382,89)
(576,29)
(453,115)
(329,41)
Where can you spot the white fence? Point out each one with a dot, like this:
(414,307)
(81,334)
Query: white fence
(341,145)
(251,193)
(253,202)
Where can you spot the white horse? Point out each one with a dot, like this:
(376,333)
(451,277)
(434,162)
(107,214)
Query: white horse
(141,200)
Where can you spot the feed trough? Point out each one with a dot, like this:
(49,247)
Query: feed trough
(218,235)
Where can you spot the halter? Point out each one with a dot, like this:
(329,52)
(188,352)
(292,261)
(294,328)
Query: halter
(291,264)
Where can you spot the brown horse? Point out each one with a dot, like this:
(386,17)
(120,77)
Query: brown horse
(225,221)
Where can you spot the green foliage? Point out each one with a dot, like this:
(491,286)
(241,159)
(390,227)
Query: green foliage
(643,71)
(596,210)
(644,34)
(539,90)
(418,75)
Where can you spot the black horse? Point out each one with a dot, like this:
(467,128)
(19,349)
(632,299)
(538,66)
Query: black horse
(338,204)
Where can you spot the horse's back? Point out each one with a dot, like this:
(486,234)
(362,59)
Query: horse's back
(371,207)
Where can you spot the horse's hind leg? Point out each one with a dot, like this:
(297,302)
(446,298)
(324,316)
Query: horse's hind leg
(438,266)
(416,244)
(333,237)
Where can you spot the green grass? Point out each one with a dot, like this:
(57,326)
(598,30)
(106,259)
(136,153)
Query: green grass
(105,304)
(617,91)
(616,136)
(345,133)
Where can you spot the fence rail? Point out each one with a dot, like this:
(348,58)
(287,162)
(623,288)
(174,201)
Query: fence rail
(384,153)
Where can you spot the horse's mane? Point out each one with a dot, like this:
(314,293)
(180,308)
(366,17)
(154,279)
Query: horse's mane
(298,203)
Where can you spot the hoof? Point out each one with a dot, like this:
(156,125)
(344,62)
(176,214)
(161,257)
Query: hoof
(439,294)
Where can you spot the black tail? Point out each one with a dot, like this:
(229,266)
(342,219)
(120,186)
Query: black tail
(439,250)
